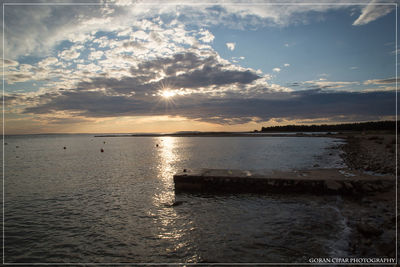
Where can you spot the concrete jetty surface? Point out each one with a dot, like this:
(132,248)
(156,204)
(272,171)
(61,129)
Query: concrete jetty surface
(318,181)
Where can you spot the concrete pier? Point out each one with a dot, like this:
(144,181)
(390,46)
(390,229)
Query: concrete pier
(317,181)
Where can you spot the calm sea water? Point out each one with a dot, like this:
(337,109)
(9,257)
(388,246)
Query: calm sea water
(80,205)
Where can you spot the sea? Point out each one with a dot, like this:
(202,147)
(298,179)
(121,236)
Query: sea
(65,201)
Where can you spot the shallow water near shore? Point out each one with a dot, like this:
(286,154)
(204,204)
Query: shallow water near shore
(81,205)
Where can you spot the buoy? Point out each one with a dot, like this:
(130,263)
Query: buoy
(16,146)
(101,150)
(65,147)
(104,142)
(156,145)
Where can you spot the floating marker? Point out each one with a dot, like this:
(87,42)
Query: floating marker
(104,142)
(156,145)
(65,147)
(101,150)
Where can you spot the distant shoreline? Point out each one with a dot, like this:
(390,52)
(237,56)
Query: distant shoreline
(223,135)
(249,134)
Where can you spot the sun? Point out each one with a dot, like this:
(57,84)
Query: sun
(167,93)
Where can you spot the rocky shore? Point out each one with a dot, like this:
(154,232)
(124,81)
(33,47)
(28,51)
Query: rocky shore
(371,218)
(372,152)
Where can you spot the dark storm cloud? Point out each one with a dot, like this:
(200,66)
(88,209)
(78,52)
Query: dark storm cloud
(125,85)
(310,105)
(197,72)
(134,95)
(179,62)
(212,76)
(305,105)
(90,104)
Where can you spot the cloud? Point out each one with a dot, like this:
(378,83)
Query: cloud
(26,72)
(9,63)
(237,59)
(12,78)
(276,69)
(372,12)
(63,120)
(43,26)
(115,60)
(110,55)
(47,26)
(96,55)
(69,54)
(90,68)
(215,76)
(206,36)
(208,89)
(380,88)
(181,71)
(231,46)
(322,83)
(47,62)
(381,81)
(310,104)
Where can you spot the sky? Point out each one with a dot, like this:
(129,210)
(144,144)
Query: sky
(135,67)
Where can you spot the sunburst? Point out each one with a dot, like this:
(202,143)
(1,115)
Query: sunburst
(167,93)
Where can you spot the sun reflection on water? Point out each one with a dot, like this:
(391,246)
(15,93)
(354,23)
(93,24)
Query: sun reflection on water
(172,229)
(168,157)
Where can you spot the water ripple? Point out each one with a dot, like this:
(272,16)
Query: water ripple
(79,205)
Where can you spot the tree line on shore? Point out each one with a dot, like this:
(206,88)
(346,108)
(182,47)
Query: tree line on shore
(358,126)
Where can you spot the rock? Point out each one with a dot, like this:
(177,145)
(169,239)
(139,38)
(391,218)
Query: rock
(374,187)
(366,187)
(366,201)
(177,203)
(386,244)
(385,209)
(348,185)
(368,230)
(367,242)
(332,185)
